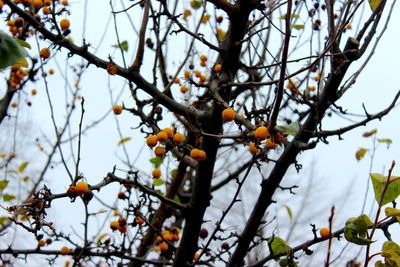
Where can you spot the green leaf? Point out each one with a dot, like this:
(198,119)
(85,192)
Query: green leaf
(177,199)
(392,191)
(123,140)
(385,140)
(3,184)
(278,245)
(289,211)
(23,43)
(355,230)
(298,26)
(8,197)
(22,167)
(393,212)
(3,219)
(10,50)
(374,4)
(361,153)
(158,182)
(290,129)
(100,238)
(12,171)
(22,63)
(196,4)
(297,16)
(123,45)
(25,178)
(391,253)
(157,161)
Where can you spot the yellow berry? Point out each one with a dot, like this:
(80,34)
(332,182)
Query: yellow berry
(45,53)
(65,24)
(253,149)
(186,73)
(38,3)
(151,141)
(64,250)
(184,89)
(42,243)
(178,138)
(162,136)
(159,151)
(114,225)
(169,131)
(156,173)
(198,154)
(270,144)
(228,114)
(217,67)
(203,57)
(196,256)
(261,133)
(177,80)
(163,247)
(117,109)
(324,232)
(139,220)
(82,187)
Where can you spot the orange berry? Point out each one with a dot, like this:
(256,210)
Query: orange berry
(197,73)
(156,173)
(159,151)
(178,138)
(186,73)
(291,84)
(139,220)
(324,232)
(203,63)
(65,24)
(42,243)
(311,88)
(196,256)
(184,89)
(46,10)
(64,250)
(64,2)
(177,80)
(261,133)
(228,114)
(121,221)
(156,249)
(349,26)
(117,109)
(123,229)
(203,57)
(163,247)
(14,104)
(82,187)
(203,78)
(169,131)
(38,3)
(114,225)
(151,141)
(112,69)
(217,67)
(162,136)
(71,191)
(51,71)
(198,154)
(253,149)
(47,2)
(45,53)
(270,144)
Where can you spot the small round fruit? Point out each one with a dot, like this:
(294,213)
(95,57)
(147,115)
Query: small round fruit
(196,256)
(151,141)
(261,133)
(159,151)
(139,220)
(177,80)
(198,154)
(156,173)
(122,221)
(82,187)
(114,225)
(163,247)
(42,243)
(184,89)
(225,246)
(217,67)
(65,24)
(34,92)
(203,233)
(121,195)
(123,229)
(219,19)
(45,53)
(187,74)
(178,138)
(112,69)
(253,149)
(38,3)
(324,232)
(270,144)
(64,250)
(117,109)
(71,192)
(228,114)
(162,136)
(203,57)
(169,131)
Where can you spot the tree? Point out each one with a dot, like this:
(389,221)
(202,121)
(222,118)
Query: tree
(257,80)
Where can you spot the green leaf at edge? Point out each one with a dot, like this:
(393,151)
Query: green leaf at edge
(3,184)
(392,191)
(123,140)
(22,167)
(8,197)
